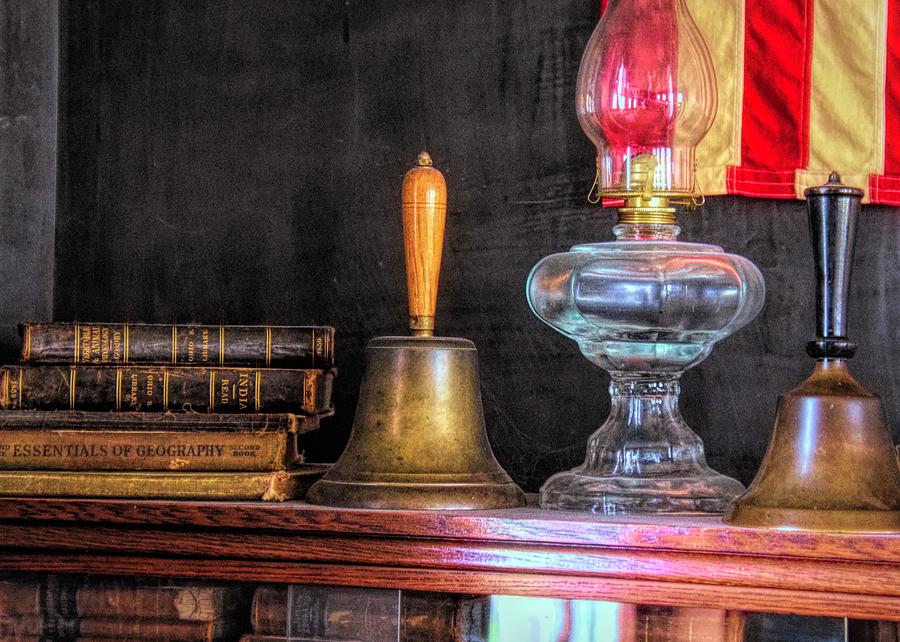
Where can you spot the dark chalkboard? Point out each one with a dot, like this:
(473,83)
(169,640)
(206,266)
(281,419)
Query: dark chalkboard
(28,125)
(241,162)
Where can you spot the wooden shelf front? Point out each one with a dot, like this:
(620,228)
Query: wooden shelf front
(679,561)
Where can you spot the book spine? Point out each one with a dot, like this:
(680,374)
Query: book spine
(199,345)
(189,603)
(161,389)
(133,450)
(146,629)
(20,598)
(162,421)
(311,611)
(13,625)
(268,486)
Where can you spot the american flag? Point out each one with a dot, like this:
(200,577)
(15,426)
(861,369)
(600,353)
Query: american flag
(805,87)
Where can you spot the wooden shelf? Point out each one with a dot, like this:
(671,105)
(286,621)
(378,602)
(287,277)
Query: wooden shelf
(681,561)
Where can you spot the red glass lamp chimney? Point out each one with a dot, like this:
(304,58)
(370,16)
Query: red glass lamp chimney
(646,87)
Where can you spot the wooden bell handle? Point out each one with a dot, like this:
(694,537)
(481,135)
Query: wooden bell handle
(424,205)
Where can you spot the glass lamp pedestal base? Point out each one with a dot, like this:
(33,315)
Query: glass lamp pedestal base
(578,490)
(645,308)
(644,459)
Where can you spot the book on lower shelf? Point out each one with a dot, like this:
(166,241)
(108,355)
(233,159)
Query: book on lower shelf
(178,601)
(120,610)
(295,612)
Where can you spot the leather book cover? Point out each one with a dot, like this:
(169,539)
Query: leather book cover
(344,613)
(198,345)
(196,603)
(21,597)
(162,389)
(111,628)
(44,596)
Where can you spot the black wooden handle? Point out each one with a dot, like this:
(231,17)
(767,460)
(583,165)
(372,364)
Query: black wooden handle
(833,210)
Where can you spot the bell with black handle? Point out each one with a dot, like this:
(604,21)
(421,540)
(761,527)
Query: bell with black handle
(419,441)
(831,464)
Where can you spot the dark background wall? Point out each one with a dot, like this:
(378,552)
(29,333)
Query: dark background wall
(241,162)
(29,39)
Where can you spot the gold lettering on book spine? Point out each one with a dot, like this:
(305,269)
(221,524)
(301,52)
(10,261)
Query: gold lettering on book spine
(257,387)
(95,344)
(26,355)
(243,390)
(20,388)
(73,377)
(118,389)
(268,346)
(105,345)
(174,343)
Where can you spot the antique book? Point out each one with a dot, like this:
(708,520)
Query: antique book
(147,450)
(296,612)
(344,613)
(267,486)
(165,388)
(120,628)
(54,627)
(36,596)
(197,602)
(14,625)
(21,597)
(199,345)
(160,421)
(442,617)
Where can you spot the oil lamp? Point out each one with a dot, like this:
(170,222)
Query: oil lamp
(646,306)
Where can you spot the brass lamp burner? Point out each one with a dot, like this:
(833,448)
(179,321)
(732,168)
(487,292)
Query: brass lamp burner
(644,204)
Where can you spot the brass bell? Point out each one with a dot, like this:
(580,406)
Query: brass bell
(831,464)
(419,439)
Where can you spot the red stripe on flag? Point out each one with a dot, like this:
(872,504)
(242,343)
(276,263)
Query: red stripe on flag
(775,114)
(603,4)
(884,190)
(764,183)
(892,91)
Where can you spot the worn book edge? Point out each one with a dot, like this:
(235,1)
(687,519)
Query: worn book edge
(267,486)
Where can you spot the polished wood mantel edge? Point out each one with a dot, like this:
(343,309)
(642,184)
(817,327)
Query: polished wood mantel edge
(527,525)
(831,603)
(705,568)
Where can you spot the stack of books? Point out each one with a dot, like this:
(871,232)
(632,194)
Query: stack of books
(60,609)
(163,411)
